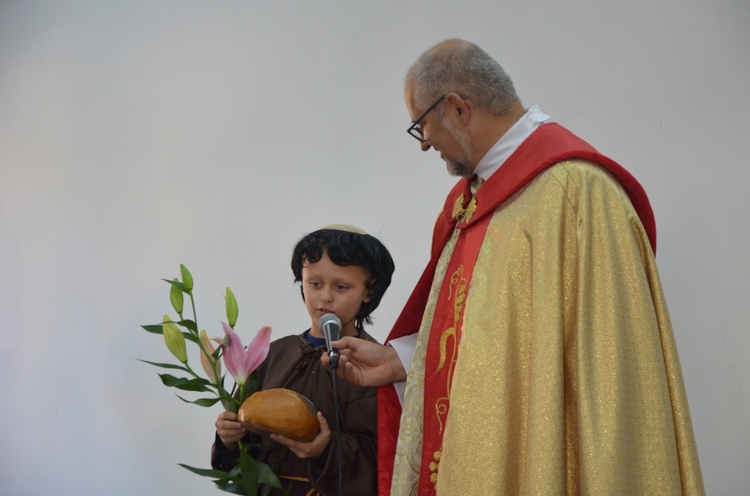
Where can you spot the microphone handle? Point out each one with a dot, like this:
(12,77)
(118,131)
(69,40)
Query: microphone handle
(334,355)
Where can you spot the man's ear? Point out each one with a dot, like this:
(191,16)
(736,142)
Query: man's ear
(460,106)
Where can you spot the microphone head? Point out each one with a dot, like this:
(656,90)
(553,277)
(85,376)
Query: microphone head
(330,325)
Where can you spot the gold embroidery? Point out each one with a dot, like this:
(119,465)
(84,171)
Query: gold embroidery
(449,333)
(457,282)
(434,465)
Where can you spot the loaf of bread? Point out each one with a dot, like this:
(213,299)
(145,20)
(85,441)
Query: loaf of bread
(280,411)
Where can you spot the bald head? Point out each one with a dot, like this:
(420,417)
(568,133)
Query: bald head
(462,67)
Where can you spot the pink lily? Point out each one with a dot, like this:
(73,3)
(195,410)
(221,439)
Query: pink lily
(241,362)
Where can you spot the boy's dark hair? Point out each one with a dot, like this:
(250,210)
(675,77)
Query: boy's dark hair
(346,248)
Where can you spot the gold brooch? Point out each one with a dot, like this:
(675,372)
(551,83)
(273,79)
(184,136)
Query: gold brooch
(461,214)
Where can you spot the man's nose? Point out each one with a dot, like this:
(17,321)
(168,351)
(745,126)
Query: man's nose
(425,146)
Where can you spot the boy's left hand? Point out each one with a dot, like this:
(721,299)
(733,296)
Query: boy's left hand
(309,449)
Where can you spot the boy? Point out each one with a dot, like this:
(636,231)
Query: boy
(342,270)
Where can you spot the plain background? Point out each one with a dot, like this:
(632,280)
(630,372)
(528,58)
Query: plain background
(135,136)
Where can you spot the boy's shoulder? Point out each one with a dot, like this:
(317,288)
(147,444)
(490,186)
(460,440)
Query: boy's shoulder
(367,337)
(299,341)
(288,340)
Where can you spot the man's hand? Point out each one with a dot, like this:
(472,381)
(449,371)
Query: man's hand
(365,363)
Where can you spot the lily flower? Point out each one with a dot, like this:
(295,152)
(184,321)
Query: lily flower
(242,362)
(208,361)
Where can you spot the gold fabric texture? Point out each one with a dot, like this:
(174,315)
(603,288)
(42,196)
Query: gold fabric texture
(567,379)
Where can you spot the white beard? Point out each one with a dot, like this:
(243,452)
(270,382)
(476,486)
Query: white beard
(461,167)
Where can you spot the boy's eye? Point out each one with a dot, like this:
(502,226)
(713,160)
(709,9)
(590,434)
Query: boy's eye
(341,287)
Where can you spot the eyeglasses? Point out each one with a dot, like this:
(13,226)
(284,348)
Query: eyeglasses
(416,129)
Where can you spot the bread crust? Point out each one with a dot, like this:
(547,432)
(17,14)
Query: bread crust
(280,411)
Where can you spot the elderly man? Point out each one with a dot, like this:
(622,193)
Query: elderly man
(539,350)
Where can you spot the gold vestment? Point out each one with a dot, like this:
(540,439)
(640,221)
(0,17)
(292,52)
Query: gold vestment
(567,379)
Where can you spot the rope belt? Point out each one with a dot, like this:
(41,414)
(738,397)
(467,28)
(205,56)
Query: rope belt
(293,478)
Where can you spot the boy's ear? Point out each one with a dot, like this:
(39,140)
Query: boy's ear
(369,292)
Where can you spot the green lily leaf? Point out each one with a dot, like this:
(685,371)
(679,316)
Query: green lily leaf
(165,365)
(177,284)
(155,328)
(172,381)
(249,471)
(234,488)
(198,384)
(201,402)
(190,324)
(267,476)
(207,472)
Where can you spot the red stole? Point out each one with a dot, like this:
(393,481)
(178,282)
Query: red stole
(548,145)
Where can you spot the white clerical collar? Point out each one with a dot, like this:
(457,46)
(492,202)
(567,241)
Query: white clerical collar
(511,140)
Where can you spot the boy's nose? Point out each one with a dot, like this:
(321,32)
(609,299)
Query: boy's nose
(327,295)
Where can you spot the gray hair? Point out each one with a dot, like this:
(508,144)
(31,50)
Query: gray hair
(461,67)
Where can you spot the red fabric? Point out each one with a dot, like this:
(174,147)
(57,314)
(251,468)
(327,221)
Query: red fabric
(445,334)
(548,145)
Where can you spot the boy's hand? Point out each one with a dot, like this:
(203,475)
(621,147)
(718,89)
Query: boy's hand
(312,448)
(365,363)
(229,429)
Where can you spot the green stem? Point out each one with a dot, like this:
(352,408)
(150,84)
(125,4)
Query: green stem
(190,370)
(241,397)
(195,315)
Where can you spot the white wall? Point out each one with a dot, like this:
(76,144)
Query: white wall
(135,136)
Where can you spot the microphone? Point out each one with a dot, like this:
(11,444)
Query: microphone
(330,325)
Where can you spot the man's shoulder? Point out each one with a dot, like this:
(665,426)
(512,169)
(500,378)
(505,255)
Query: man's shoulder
(573,177)
(580,169)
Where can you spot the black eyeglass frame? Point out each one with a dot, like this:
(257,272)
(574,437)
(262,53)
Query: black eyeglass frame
(414,128)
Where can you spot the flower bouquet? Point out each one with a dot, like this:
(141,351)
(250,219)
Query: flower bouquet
(250,474)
